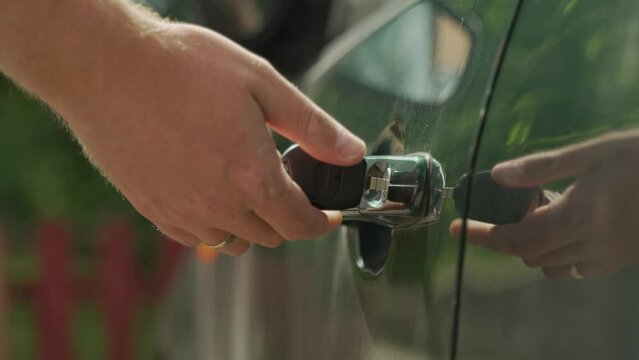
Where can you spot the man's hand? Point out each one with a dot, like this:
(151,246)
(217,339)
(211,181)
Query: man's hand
(176,117)
(593,224)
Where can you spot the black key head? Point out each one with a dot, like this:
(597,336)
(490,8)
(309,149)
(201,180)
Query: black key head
(328,187)
(493,203)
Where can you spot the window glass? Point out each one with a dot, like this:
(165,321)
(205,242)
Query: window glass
(420,58)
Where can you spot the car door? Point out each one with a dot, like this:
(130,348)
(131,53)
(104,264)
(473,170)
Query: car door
(414,77)
(571,72)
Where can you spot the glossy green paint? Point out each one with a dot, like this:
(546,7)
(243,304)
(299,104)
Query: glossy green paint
(409,305)
(571,73)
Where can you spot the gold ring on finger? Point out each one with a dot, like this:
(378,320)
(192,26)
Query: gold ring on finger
(227,240)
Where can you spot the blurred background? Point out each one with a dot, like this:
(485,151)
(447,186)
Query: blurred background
(81,274)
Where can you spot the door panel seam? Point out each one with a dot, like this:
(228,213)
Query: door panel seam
(473,163)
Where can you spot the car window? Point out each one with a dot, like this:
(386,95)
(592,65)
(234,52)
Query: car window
(571,76)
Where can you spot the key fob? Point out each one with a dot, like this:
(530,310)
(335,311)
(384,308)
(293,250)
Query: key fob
(328,187)
(493,203)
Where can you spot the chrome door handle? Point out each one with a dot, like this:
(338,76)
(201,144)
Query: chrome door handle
(395,191)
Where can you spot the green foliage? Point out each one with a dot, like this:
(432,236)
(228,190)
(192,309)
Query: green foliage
(565,79)
(43,175)
(42,171)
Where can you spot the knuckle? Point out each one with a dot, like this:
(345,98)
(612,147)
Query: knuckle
(525,248)
(294,232)
(245,179)
(202,209)
(212,207)
(263,69)
(309,121)
(269,191)
(262,65)
(299,230)
(258,185)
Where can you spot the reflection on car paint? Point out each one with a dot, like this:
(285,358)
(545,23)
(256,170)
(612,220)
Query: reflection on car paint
(567,78)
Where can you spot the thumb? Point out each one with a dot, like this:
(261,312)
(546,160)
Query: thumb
(537,169)
(296,117)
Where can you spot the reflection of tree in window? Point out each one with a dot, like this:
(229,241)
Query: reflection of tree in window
(420,56)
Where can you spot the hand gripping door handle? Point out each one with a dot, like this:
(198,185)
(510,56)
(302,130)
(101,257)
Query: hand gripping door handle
(395,191)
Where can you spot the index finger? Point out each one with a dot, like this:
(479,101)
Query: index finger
(296,117)
(535,235)
(543,167)
(477,232)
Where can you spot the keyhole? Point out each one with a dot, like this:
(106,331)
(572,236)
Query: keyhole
(372,241)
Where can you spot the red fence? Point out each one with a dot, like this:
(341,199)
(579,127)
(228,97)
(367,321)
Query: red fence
(118,286)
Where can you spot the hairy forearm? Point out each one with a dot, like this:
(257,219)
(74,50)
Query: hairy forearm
(69,52)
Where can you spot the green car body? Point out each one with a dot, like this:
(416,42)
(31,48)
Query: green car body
(472,83)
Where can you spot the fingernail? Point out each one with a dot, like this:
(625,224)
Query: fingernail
(508,171)
(455,228)
(334,218)
(350,146)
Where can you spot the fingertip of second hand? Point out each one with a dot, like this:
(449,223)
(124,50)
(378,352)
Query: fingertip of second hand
(455,228)
(334,218)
